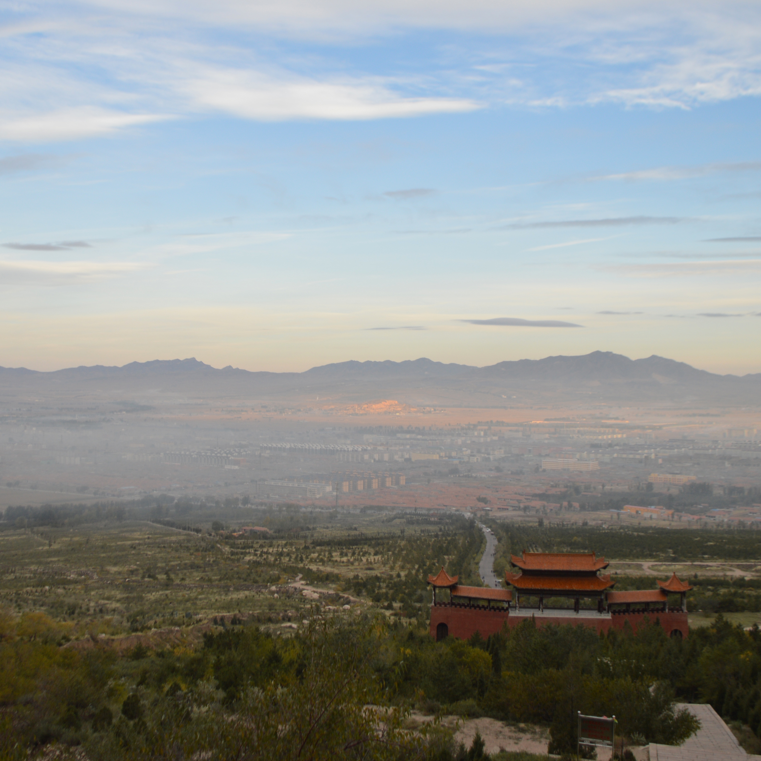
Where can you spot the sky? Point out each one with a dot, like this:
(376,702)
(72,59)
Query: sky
(280,185)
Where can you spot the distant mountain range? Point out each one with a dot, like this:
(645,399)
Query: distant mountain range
(599,376)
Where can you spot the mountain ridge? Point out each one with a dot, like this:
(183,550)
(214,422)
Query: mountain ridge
(599,376)
(351,366)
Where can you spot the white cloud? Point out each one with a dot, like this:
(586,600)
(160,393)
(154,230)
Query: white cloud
(74,72)
(59,273)
(253,95)
(320,17)
(69,124)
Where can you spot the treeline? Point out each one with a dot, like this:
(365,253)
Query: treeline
(341,687)
(682,501)
(630,543)
(283,519)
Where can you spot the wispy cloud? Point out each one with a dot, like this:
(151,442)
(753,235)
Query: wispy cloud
(607,222)
(401,327)
(452,231)
(718,314)
(738,239)
(516,322)
(568,243)
(411,193)
(608,311)
(70,124)
(286,95)
(62,246)
(669,173)
(60,273)
(86,74)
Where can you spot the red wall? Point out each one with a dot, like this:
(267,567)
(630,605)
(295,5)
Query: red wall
(463,621)
(670,621)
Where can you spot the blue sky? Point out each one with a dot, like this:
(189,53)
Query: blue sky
(278,186)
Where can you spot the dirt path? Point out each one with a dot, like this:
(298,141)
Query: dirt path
(497,735)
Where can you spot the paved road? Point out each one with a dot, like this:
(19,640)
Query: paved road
(486,566)
(714,741)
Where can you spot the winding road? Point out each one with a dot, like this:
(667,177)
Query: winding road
(486,566)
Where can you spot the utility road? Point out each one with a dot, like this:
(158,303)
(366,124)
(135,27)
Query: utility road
(486,566)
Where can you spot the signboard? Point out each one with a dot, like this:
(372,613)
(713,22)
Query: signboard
(597,730)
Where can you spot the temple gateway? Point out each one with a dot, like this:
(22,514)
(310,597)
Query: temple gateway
(554,588)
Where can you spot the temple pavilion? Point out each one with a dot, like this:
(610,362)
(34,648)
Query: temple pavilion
(553,574)
(539,582)
(462,595)
(651,599)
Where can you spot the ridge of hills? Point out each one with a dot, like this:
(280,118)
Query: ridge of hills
(598,376)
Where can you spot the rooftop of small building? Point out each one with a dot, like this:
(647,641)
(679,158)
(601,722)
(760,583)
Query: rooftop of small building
(578,562)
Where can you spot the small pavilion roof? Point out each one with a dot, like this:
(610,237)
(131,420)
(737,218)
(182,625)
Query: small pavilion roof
(559,583)
(674,584)
(580,562)
(482,593)
(443,579)
(637,596)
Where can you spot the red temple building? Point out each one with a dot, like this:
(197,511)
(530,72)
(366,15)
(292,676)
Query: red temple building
(543,585)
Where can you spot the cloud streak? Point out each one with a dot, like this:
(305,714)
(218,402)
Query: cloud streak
(63,246)
(606,222)
(671,173)
(516,322)
(285,96)
(401,327)
(567,243)
(405,195)
(63,273)
(70,124)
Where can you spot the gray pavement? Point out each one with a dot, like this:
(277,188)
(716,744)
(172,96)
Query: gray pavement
(714,740)
(486,566)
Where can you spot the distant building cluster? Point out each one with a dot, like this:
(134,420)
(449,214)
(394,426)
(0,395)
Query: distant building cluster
(651,512)
(368,482)
(219,458)
(667,478)
(563,464)
(314,489)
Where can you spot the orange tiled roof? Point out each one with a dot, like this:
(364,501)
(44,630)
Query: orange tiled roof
(638,595)
(559,561)
(674,584)
(443,579)
(564,583)
(482,593)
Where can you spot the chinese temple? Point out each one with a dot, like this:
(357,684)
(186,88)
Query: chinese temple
(554,588)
